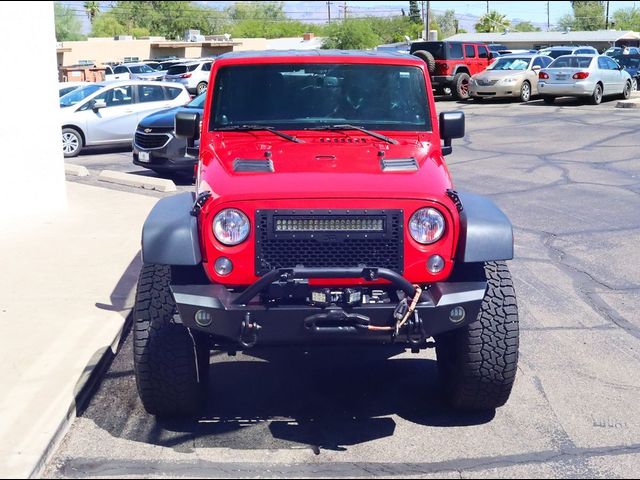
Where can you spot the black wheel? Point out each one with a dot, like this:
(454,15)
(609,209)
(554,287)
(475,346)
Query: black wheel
(461,86)
(626,93)
(596,96)
(525,92)
(478,363)
(548,99)
(71,142)
(171,362)
(428,59)
(202,87)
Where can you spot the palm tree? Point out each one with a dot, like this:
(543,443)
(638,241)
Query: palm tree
(92,9)
(492,22)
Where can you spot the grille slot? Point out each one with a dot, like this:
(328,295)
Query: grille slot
(329,249)
(152,140)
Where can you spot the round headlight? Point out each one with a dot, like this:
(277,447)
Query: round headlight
(426,225)
(231,226)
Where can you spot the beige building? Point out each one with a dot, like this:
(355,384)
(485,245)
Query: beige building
(109,50)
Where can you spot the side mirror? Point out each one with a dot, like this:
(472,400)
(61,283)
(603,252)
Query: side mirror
(451,126)
(490,56)
(98,104)
(187,125)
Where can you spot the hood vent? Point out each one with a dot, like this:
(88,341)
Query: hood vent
(248,165)
(399,164)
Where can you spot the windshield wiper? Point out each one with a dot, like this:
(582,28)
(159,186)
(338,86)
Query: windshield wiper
(247,128)
(379,136)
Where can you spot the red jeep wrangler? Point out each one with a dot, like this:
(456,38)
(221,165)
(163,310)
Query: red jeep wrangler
(324,213)
(452,64)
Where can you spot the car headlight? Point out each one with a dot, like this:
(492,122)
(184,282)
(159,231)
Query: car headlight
(426,225)
(231,226)
(509,80)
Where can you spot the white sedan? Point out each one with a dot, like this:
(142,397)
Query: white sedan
(107,113)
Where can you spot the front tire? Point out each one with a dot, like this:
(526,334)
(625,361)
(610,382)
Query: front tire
(477,363)
(171,363)
(71,142)
(626,93)
(634,84)
(461,86)
(525,92)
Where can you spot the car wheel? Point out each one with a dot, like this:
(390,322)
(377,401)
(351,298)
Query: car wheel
(634,84)
(548,99)
(478,363)
(626,93)
(71,142)
(202,86)
(428,59)
(525,92)
(596,97)
(461,86)
(171,362)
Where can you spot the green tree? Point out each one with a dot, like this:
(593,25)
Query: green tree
(92,9)
(587,15)
(525,27)
(627,19)
(492,22)
(447,23)
(106,25)
(414,12)
(68,26)
(271,11)
(353,34)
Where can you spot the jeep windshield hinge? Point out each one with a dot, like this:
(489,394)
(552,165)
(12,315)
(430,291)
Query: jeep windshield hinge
(199,203)
(453,195)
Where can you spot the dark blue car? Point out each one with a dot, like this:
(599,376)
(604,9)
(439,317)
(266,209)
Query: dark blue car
(631,63)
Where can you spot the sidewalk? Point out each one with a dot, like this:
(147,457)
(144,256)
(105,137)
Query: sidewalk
(65,291)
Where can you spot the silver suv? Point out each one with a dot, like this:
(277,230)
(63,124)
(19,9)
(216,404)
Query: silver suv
(193,75)
(555,52)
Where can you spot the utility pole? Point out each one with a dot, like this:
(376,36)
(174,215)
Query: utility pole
(328,12)
(427,22)
(487,6)
(606,22)
(345,10)
(548,24)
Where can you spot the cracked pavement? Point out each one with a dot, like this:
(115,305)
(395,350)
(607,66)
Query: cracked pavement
(568,176)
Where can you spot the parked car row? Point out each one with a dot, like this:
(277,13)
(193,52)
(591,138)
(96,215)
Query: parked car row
(193,73)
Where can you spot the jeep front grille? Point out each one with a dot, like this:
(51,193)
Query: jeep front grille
(329,239)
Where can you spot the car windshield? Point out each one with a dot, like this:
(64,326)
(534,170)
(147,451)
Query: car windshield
(197,102)
(78,95)
(298,96)
(510,63)
(141,69)
(629,62)
(571,62)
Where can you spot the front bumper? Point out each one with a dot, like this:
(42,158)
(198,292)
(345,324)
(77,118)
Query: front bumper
(566,89)
(238,320)
(170,158)
(495,91)
(441,81)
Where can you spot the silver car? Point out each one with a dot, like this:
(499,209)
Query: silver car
(107,113)
(591,76)
(135,71)
(193,75)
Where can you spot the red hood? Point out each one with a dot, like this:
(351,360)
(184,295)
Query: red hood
(322,167)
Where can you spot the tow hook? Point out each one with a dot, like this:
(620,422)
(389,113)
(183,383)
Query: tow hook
(416,336)
(248,332)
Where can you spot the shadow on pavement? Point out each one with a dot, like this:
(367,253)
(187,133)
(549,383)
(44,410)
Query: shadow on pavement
(105,149)
(180,179)
(329,399)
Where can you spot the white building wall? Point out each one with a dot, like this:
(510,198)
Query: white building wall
(32,181)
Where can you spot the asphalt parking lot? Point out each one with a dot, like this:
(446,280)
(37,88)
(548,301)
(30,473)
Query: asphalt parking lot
(568,176)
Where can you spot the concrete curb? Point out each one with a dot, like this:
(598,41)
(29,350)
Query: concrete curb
(635,103)
(140,181)
(77,170)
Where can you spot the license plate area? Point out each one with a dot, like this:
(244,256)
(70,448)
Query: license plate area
(143,156)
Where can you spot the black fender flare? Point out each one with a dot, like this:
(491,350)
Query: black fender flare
(461,69)
(170,232)
(486,233)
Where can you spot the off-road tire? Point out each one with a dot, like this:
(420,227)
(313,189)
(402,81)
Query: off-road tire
(72,142)
(201,87)
(171,363)
(525,92)
(428,59)
(626,93)
(548,99)
(460,87)
(477,363)
(596,96)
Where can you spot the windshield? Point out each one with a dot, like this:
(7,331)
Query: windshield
(298,96)
(510,63)
(197,102)
(632,62)
(78,95)
(141,69)
(571,62)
